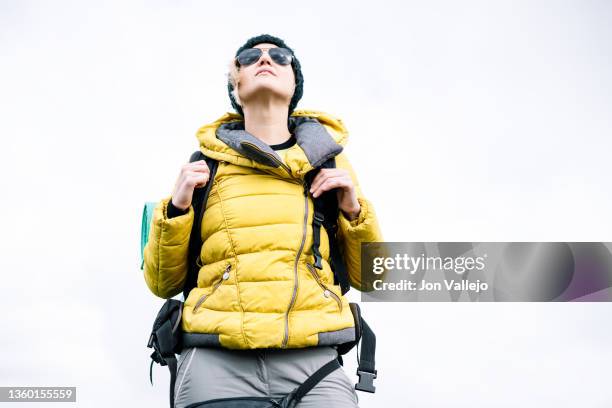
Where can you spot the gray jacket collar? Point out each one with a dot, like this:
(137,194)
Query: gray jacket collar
(317,144)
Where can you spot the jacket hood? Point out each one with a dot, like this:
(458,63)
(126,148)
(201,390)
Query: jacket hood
(319,136)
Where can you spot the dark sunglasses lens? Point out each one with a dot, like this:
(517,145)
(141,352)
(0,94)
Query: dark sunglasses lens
(281,56)
(249,56)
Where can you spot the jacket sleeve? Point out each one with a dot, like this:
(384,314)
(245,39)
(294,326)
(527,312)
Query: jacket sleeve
(172,211)
(351,234)
(165,254)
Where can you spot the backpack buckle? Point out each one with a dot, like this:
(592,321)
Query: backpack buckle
(318,218)
(366,381)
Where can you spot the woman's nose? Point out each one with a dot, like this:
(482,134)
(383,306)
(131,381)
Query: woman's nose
(265,58)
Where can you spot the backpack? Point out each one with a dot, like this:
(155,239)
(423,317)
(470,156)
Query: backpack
(165,337)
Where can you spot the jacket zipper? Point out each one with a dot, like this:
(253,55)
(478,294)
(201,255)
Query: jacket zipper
(295,267)
(326,291)
(225,276)
(304,229)
(272,157)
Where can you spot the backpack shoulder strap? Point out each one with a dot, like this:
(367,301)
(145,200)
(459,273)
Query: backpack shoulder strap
(326,213)
(200,197)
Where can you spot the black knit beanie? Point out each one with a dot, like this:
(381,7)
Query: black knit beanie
(295,64)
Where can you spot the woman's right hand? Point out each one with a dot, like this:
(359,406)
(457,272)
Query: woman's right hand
(193,175)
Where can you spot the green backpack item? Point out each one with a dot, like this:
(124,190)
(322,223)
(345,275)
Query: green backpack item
(147,217)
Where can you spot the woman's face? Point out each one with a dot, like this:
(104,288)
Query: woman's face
(256,84)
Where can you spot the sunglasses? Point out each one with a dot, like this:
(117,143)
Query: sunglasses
(281,56)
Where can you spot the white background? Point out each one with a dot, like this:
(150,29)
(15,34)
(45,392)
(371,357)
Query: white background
(469,121)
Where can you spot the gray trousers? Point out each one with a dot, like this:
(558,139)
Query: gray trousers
(206,373)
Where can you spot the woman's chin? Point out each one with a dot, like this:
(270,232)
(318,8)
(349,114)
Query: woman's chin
(263,90)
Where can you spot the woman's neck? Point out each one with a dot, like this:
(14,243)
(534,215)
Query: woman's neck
(267,123)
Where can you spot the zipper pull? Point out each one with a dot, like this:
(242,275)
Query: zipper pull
(226,273)
(225,276)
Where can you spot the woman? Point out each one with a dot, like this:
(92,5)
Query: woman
(262,319)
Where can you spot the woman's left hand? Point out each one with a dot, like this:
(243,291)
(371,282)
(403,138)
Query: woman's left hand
(330,178)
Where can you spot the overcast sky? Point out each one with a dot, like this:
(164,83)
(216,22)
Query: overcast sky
(469,121)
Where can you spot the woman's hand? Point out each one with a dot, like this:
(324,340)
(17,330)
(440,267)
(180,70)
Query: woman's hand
(194,174)
(327,179)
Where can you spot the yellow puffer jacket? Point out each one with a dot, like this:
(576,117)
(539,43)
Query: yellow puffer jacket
(256,285)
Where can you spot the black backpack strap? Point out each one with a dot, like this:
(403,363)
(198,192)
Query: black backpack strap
(366,369)
(366,364)
(337,262)
(326,213)
(319,215)
(200,197)
(293,398)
